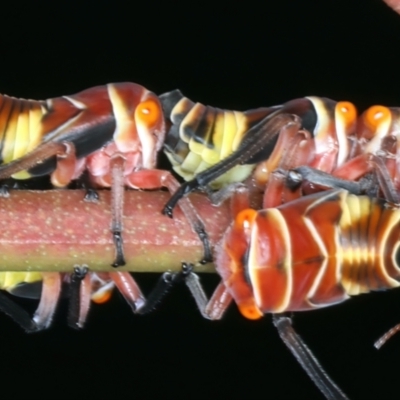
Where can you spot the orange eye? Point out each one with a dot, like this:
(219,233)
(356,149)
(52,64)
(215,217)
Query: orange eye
(250,311)
(347,111)
(245,218)
(375,115)
(148,112)
(102,297)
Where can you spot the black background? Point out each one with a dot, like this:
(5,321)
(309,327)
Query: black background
(239,57)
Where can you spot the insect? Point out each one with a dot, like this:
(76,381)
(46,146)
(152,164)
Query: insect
(374,148)
(209,146)
(47,287)
(113,132)
(84,287)
(313,252)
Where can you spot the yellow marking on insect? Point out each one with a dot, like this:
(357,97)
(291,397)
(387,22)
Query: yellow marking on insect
(365,210)
(190,164)
(35,134)
(22,131)
(10,133)
(242,128)
(230,129)
(8,280)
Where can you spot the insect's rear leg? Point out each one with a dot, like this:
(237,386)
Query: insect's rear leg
(66,162)
(365,184)
(365,173)
(306,358)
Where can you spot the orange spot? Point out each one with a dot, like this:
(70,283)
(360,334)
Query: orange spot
(375,115)
(149,112)
(245,218)
(102,297)
(250,311)
(347,110)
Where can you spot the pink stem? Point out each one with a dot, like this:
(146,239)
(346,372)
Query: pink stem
(55,230)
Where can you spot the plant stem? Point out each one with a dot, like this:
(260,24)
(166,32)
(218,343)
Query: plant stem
(56,229)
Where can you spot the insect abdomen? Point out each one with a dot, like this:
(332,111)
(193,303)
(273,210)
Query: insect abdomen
(19,128)
(201,136)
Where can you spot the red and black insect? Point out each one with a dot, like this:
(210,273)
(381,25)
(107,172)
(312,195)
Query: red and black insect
(113,133)
(311,150)
(313,252)
(212,147)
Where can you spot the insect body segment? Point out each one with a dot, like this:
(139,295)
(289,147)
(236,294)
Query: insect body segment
(327,125)
(310,253)
(125,114)
(201,136)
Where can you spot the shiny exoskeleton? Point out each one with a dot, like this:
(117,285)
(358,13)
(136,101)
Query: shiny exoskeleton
(313,252)
(209,146)
(84,287)
(47,287)
(200,136)
(113,133)
(309,253)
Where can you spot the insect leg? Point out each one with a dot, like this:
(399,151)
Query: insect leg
(295,150)
(384,180)
(131,292)
(117,204)
(79,297)
(213,308)
(192,216)
(153,179)
(51,289)
(306,358)
(17,313)
(300,174)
